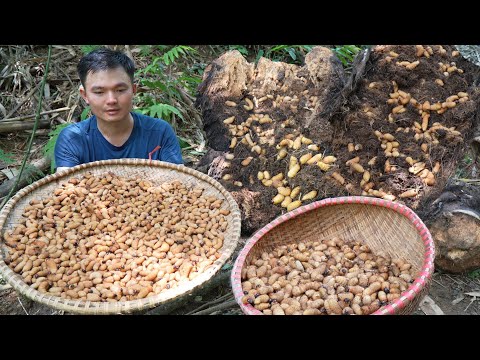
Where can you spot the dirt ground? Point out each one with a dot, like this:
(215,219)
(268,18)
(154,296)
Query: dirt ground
(454,294)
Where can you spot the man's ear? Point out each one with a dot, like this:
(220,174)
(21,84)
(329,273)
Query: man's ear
(134,88)
(83,94)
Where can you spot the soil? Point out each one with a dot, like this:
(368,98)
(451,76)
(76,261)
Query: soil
(355,121)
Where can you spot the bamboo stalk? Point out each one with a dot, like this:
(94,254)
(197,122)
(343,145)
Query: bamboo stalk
(12,126)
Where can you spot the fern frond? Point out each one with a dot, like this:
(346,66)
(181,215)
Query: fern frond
(176,52)
(6,158)
(162,111)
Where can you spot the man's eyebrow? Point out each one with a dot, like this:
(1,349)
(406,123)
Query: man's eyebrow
(98,87)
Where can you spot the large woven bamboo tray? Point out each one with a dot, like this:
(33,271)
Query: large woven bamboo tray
(380,224)
(155,171)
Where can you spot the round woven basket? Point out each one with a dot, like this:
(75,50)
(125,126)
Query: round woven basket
(380,224)
(156,172)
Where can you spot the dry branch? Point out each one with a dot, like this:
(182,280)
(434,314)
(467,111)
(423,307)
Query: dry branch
(13,126)
(33,115)
(170,306)
(22,102)
(41,164)
(223,306)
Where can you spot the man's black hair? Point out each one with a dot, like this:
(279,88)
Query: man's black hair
(104,59)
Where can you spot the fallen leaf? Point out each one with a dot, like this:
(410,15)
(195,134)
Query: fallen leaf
(457,300)
(10,173)
(429,307)
(5,287)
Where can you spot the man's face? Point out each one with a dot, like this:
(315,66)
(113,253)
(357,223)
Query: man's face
(109,94)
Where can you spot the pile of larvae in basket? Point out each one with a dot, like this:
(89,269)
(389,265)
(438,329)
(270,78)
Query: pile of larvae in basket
(109,238)
(328,277)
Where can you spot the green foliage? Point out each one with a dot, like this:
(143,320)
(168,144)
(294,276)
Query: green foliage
(260,53)
(6,158)
(240,48)
(295,54)
(187,147)
(475,274)
(346,53)
(288,53)
(145,50)
(168,86)
(88,48)
(176,52)
(32,173)
(464,166)
(162,111)
(159,76)
(86,113)
(49,148)
(165,78)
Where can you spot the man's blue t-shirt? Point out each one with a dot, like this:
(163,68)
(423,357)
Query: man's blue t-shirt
(82,142)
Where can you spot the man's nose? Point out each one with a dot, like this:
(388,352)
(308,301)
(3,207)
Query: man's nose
(111,97)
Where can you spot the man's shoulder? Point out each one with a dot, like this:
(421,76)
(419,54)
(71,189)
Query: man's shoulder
(76,129)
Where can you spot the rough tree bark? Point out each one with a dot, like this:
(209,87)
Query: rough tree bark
(453,219)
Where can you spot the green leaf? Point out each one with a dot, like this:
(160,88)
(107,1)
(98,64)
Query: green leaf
(190,79)
(346,53)
(241,49)
(88,48)
(163,47)
(157,59)
(7,158)
(164,111)
(227,267)
(145,50)
(291,51)
(259,55)
(85,113)
(155,85)
(184,144)
(49,147)
(279,47)
(33,172)
(195,152)
(475,274)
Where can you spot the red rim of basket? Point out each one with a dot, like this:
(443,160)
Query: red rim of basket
(405,297)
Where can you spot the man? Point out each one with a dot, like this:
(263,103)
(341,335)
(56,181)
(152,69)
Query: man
(114,131)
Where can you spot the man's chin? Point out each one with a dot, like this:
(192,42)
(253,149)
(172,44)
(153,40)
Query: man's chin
(114,117)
